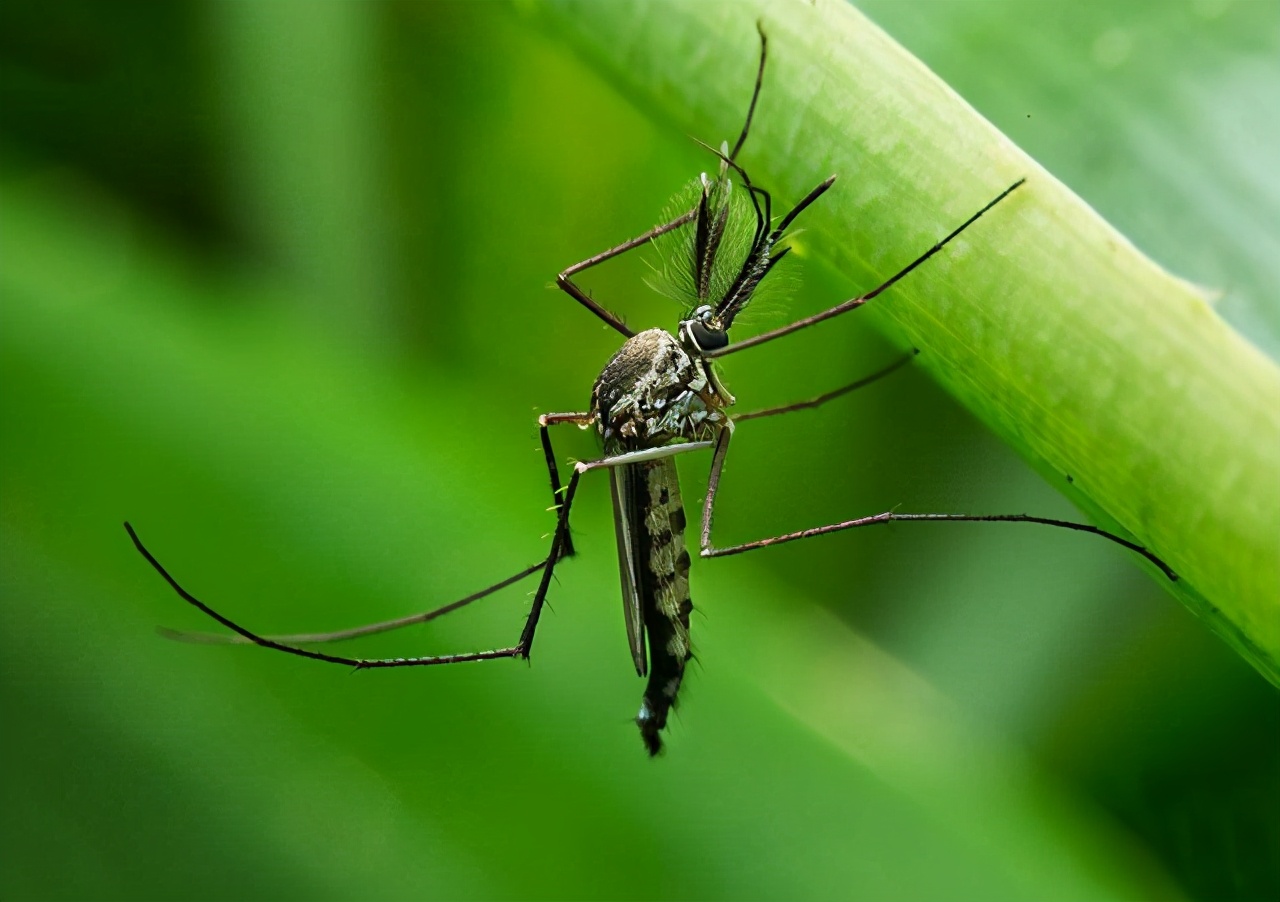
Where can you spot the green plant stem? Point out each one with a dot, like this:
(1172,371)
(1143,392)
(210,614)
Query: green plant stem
(1114,378)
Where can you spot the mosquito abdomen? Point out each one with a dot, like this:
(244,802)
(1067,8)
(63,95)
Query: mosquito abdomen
(665,590)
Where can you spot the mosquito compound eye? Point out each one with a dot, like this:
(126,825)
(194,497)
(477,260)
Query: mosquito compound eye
(708,339)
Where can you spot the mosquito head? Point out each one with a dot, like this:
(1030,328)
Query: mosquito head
(703,331)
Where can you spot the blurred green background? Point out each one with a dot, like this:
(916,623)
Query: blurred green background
(275,287)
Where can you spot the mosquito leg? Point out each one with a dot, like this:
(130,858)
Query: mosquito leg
(287,648)
(829,396)
(755,93)
(713,486)
(546,421)
(639,457)
(201,638)
(562,525)
(519,650)
(525,645)
(854,303)
(565,280)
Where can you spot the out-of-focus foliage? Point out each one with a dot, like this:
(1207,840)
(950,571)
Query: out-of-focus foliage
(273,285)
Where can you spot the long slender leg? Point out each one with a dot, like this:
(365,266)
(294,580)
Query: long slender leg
(565,280)
(828,396)
(722,441)
(755,93)
(358,663)
(520,650)
(854,303)
(639,457)
(713,486)
(385,626)
(546,421)
(525,644)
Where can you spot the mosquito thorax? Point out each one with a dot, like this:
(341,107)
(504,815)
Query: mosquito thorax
(654,391)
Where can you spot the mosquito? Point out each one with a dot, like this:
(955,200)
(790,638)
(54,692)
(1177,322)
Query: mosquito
(659,397)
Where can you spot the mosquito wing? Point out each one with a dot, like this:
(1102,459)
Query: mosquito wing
(623,482)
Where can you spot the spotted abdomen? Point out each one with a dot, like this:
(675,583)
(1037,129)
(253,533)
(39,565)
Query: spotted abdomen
(663,570)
